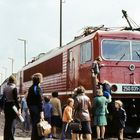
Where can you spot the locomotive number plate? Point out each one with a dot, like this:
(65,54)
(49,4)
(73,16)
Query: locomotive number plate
(131,88)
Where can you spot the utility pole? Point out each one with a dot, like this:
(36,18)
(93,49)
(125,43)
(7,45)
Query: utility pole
(60,24)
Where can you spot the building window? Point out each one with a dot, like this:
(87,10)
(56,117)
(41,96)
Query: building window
(85,52)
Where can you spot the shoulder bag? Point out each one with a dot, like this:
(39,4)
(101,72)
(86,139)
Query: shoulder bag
(75,125)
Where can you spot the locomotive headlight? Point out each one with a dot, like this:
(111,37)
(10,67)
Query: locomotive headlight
(114,88)
(132,67)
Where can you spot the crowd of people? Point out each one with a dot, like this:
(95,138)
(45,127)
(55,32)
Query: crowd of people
(78,109)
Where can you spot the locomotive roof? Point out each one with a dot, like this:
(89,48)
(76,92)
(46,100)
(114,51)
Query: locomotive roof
(133,34)
(58,50)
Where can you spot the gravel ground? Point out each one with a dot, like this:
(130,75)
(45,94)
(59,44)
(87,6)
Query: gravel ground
(19,132)
(21,135)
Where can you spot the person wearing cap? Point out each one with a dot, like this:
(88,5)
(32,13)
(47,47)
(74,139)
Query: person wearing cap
(119,119)
(35,104)
(10,98)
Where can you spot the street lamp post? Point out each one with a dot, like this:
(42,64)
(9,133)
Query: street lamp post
(24,49)
(12,60)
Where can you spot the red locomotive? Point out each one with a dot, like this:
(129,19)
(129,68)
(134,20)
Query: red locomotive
(67,67)
(70,66)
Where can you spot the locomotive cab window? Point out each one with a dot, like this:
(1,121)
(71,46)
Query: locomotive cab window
(85,52)
(120,50)
(116,50)
(135,50)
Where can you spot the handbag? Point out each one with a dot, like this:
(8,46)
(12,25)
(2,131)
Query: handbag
(75,125)
(43,128)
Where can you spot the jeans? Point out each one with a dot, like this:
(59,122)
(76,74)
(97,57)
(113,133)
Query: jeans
(65,131)
(26,123)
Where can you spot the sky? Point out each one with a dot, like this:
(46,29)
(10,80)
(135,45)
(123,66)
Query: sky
(37,21)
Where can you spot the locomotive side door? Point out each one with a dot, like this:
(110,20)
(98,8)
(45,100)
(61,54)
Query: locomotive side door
(73,68)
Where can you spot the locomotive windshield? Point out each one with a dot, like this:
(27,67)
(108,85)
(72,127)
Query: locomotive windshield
(121,50)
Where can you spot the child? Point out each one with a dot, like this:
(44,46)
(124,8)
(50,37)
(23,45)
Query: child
(47,108)
(119,118)
(25,113)
(67,117)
